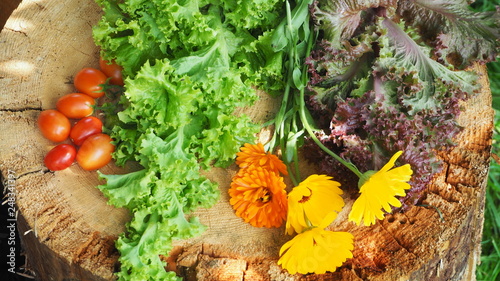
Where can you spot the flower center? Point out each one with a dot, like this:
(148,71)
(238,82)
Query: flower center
(264,196)
(305,198)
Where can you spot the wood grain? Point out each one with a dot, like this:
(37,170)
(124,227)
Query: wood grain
(71,229)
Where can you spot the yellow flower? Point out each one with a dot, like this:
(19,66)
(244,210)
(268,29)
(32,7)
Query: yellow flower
(379,190)
(316,250)
(258,196)
(311,201)
(254,154)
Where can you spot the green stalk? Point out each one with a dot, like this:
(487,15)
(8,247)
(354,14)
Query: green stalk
(309,130)
(287,131)
(307,126)
(292,57)
(284,126)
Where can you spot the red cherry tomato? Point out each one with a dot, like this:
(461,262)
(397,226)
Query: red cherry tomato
(88,81)
(84,128)
(60,157)
(54,125)
(75,105)
(112,70)
(95,152)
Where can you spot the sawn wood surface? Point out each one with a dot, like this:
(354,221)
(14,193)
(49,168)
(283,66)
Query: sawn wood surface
(70,229)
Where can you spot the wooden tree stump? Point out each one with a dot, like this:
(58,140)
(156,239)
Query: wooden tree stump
(70,229)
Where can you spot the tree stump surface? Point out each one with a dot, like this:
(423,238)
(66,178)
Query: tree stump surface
(68,229)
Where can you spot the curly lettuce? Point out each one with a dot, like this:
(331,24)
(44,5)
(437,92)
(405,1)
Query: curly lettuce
(401,53)
(188,65)
(133,32)
(340,20)
(385,77)
(457,33)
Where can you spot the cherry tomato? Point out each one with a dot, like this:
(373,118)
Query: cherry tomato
(88,81)
(54,125)
(112,70)
(84,128)
(95,152)
(60,157)
(75,105)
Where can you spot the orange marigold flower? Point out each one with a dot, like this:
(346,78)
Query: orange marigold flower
(254,154)
(258,196)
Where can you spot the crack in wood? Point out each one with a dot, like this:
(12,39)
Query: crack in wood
(16,31)
(22,175)
(98,247)
(28,173)
(13,110)
(80,51)
(243,278)
(399,241)
(40,6)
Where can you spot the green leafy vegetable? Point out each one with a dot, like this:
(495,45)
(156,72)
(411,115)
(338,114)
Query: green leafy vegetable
(400,53)
(189,66)
(293,36)
(461,35)
(386,76)
(168,122)
(383,77)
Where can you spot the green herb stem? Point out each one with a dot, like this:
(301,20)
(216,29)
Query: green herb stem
(307,126)
(293,110)
(309,130)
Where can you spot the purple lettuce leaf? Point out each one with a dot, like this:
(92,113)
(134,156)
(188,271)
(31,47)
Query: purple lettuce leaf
(377,87)
(340,20)
(459,34)
(400,52)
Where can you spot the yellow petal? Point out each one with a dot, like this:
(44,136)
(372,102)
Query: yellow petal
(378,193)
(316,251)
(328,220)
(312,200)
(391,162)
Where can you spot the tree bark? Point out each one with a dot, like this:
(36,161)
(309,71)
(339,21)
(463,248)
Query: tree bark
(70,229)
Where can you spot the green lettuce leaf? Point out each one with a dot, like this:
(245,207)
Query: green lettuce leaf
(248,14)
(150,234)
(134,32)
(159,197)
(159,99)
(188,69)
(128,190)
